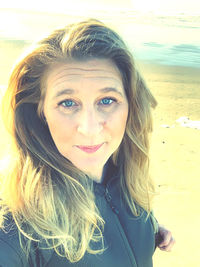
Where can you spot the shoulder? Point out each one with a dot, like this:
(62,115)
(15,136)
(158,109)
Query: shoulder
(11,253)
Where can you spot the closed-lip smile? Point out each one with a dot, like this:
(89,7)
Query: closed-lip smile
(90,149)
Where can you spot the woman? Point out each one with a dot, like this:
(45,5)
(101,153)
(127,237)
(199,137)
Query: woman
(79,192)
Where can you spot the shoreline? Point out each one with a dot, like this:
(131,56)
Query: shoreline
(176,89)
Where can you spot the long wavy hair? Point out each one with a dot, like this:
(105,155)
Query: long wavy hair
(48,197)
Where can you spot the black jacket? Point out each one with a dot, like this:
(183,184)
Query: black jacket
(129,240)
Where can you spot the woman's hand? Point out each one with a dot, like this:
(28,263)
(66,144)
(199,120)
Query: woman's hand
(166,239)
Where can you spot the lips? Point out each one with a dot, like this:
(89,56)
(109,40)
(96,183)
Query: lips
(90,149)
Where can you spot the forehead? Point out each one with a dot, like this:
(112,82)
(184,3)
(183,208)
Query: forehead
(74,71)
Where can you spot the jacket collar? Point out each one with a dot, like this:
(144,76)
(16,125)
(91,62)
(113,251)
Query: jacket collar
(110,174)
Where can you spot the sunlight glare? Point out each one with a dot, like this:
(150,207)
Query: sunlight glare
(167,7)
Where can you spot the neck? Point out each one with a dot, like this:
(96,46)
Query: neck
(96,176)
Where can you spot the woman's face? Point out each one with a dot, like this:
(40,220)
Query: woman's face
(86,111)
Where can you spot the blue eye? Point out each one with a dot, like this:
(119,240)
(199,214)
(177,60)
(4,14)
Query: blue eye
(67,103)
(107,101)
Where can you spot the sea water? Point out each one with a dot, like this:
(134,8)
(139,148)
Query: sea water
(164,39)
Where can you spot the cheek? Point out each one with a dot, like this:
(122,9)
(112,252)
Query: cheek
(61,130)
(117,123)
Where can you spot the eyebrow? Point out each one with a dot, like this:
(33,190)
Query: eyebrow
(103,90)
(65,92)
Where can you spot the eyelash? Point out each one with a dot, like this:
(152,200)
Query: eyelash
(67,100)
(108,98)
(74,103)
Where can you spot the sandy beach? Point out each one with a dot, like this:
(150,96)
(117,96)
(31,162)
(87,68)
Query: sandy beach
(175,154)
(176,159)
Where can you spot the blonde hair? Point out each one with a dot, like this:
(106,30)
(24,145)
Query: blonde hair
(48,197)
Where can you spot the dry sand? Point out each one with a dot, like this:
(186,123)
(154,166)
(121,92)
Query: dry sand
(175,154)
(176,160)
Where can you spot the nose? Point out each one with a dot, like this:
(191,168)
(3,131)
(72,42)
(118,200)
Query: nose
(90,123)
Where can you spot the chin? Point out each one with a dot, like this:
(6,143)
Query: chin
(91,165)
